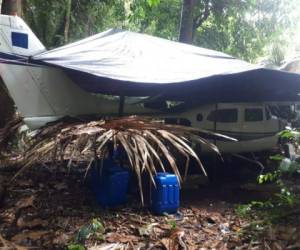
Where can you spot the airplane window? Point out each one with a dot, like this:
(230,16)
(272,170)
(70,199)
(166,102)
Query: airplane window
(253,115)
(223,115)
(274,110)
(171,120)
(185,122)
(199,117)
(283,111)
(178,121)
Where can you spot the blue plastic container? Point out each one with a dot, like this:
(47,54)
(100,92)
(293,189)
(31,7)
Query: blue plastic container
(110,184)
(165,196)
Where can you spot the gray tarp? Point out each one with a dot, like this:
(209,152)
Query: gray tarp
(122,62)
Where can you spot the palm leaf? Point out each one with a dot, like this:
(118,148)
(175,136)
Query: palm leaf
(149,144)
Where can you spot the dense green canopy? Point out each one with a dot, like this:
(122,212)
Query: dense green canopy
(247,29)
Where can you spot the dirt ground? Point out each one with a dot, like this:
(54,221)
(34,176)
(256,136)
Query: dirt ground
(49,209)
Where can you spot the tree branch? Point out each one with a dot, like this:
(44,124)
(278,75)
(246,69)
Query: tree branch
(200,19)
(67,20)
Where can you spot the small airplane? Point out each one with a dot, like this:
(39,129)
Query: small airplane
(80,79)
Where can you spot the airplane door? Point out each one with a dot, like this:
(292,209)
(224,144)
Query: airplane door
(225,119)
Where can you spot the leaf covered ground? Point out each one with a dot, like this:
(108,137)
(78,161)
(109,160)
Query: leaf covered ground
(49,208)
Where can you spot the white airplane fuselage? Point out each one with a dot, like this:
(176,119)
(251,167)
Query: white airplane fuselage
(250,123)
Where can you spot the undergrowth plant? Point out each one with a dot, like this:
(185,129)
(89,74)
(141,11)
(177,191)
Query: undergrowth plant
(274,208)
(94,230)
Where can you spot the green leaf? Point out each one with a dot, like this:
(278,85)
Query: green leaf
(277,157)
(97,226)
(84,233)
(76,247)
(289,134)
(173,224)
(260,179)
(153,3)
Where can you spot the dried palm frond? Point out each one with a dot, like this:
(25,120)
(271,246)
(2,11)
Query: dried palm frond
(149,144)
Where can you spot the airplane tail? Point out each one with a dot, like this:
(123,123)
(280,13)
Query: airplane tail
(17,44)
(17,39)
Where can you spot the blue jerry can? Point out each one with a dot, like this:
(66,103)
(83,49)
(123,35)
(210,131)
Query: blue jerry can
(165,196)
(110,185)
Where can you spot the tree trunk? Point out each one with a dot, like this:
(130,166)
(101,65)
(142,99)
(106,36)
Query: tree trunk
(186,23)
(67,20)
(2,192)
(11,7)
(7,109)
